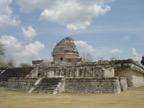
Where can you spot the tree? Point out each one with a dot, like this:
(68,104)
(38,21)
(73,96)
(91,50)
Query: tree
(100,58)
(1,49)
(25,65)
(1,54)
(112,58)
(5,60)
(10,62)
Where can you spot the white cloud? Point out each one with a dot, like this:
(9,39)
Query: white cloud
(116,50)
(6,14)
(84,46)
(29,32)
(73,14)
(31,49)
(30,5)
(136,56)
(86,50)
(20,51)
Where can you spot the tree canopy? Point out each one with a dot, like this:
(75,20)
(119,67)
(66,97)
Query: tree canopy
(5,61)
(1,49)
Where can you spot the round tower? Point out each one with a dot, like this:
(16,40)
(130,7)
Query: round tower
(65,49)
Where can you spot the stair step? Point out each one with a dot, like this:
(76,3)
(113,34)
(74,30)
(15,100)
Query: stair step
(46,85)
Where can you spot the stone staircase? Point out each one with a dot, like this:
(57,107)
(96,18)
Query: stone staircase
(35,84)
(47,85)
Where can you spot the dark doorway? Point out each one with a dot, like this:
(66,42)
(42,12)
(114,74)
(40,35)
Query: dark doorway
(61,59)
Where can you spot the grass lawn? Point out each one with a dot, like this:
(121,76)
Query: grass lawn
(133,98)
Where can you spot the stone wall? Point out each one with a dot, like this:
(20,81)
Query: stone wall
(92,85)
(81,77)
(109,72)
(137,79)
(3,83)
(123,83)
(133,71)
(77,71)
(33,73)
(20,84)
(125,73)
(68,85)
(44,85)
(134,78)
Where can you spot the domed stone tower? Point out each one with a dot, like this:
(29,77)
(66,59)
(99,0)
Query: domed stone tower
(65,49)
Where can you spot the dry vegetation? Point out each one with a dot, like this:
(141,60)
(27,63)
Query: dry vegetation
(133,98)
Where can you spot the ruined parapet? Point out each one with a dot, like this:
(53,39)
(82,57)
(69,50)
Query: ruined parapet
(105,64)
(66,48)
(49,69)
(77,69)
(37,62)
(73,60)
(127,64)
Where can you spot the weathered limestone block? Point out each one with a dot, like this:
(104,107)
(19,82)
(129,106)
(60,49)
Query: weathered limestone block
(109,72)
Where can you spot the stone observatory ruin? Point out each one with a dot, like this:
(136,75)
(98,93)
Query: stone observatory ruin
(68,73)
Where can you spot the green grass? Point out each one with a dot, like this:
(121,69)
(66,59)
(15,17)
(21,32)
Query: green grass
(133,98)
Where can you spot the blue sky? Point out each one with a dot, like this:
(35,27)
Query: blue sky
(29,29)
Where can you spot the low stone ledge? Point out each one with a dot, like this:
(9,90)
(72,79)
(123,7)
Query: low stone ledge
(92,85)
(91,78)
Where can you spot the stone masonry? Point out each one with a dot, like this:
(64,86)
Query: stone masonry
(71,74)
